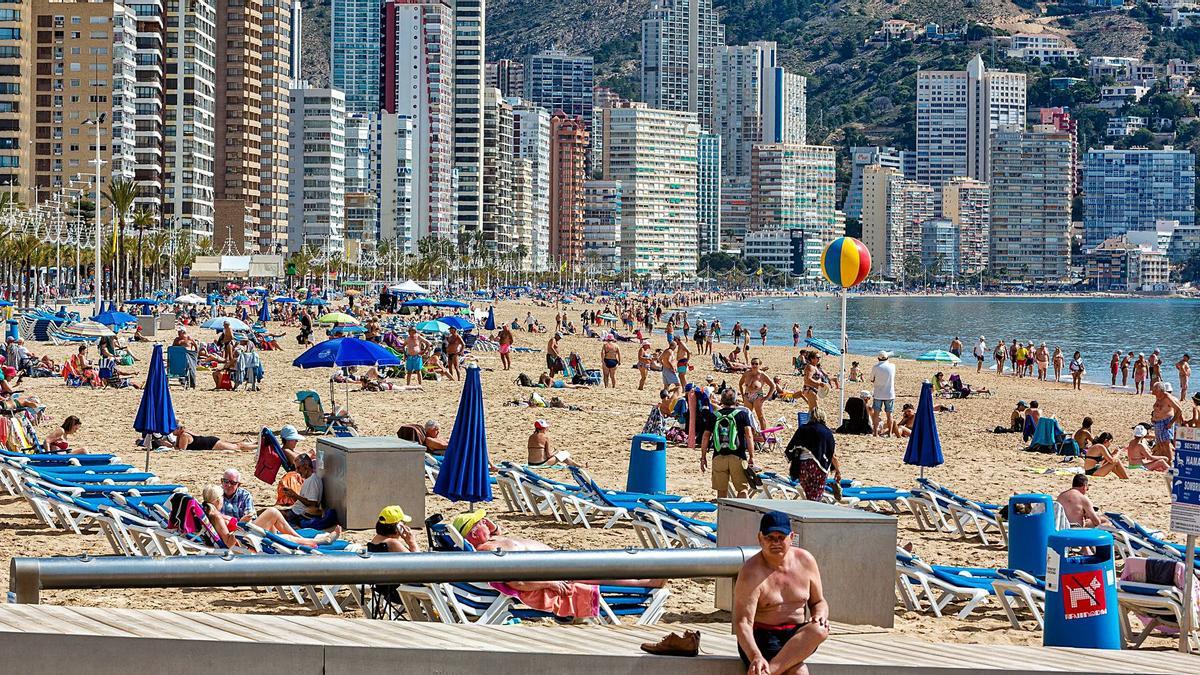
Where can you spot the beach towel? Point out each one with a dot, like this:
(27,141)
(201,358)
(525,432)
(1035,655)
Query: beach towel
(1161,571)
(270,457)
(186,516)
(580,600)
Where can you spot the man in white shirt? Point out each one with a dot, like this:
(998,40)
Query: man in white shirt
(981,351)
(883,374)
(308,500)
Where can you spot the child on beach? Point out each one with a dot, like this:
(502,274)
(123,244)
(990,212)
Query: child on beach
(1077,371)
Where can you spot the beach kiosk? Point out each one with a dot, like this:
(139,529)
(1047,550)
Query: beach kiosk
(855,549)
(363,474)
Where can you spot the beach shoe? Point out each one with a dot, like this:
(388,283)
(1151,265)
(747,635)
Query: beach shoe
(674,644)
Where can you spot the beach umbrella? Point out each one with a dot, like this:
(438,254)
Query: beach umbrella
(5,303)
(490,324)
(114,318)
(608,317)
(417,302)
(345,330)
(218,323)
(285,299)
(409,286)
(145,302)
(823,345)
(264,312)
(190,299)
(433,327)
(156,413)
(924,447)
(89,329)
(464,473)
(337,317)
(938,356)
(315,301)
(457,322)
(344,352)
(452,304)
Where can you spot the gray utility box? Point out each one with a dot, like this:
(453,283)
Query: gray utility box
(149,325)
(855,550)
(166,321)
(363,474)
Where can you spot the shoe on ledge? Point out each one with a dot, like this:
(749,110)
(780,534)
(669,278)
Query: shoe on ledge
(674,644)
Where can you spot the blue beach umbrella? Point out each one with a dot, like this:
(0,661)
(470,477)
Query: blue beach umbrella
(457,322)
(342,352)
(418,302)
(5,303)
(938,356)
(823,345)
(286,299)
(452,304)
(464,473)
(264,312)
(156,413)
(433,327)
(490,324)
(142,301)
(924,447)
(114,318)
(317,301)
(218,323)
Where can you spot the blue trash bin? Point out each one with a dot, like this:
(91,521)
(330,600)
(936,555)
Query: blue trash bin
(647,464)
(1030,524)
(1081,596)
(13,331)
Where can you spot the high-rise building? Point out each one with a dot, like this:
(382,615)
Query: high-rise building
(917,203)
(568,171)
(469,44)
(939,249)
(124,92)
(296,40)
(317,159)
(679,44)
(521,240)
(497,171)
(861,157)
(882,218)
(239,156)
(506,75)
(786,109)
(557,81)
(280,67)
(417,81)
(1061,120)
(149,104)
(708,192)
(735,211)
(1031,202)
(653,153)
(361,190)
(792,188)
(602,226)
(354,54)
(602,97)
(967,204)
(190,116)
(398,179)
(531,141)
(1129,190)
(958,112)
(756,101)
(16,129)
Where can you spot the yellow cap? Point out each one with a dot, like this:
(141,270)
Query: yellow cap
(464,522)
(390,515)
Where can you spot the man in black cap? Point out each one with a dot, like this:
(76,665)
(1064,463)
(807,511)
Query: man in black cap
(780,616)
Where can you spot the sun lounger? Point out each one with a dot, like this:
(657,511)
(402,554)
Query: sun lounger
(1132,539)
(1158,607)
(1016,590)
(941,585)
(982,517)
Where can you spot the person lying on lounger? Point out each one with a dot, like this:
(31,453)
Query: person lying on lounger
(270,520)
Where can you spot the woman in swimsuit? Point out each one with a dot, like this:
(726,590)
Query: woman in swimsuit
(57,440)
(682,353)
(1101,461)
(270,520)
(186,440)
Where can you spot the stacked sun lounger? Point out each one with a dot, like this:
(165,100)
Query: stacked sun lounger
(940,509)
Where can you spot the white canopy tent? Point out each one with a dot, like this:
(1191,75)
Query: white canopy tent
(409,286)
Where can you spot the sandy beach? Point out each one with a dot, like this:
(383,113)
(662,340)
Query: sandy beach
(979,464)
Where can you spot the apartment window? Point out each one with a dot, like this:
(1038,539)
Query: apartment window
(75,21)
(10,33)
(10,15)
(7,52)
(10,88)
(10,161)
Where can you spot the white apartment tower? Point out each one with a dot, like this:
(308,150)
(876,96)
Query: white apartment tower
(756,101)
(469,73)
(124,93)
(398,181)
(189,132)
(958,112)
(653,153)
(967,203)
(149,103)
(679,43)
(497,171)
(531,141)
(317,158)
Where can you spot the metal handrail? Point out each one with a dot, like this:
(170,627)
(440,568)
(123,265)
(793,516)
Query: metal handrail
(29,576)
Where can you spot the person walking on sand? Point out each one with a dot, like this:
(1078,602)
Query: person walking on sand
(1128,359)
(956,347)
(454,350)
(762,335)
(1077,371)
(980,352)
(1042,356)
(414,362)
(1184,366)
(1139,374)
(1058,361)
(645,359)
(610,359)
(1165,414)
(506,344)
(1000,354)
(756,388)
(883,375)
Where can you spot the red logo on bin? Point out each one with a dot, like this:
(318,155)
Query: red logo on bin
(1083,594)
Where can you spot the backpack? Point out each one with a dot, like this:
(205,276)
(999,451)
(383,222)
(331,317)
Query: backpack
(725,433)
(524,381)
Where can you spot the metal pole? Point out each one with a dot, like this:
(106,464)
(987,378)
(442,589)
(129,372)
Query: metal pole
(1186,628)
(842,361)
(99,275)
(29,576)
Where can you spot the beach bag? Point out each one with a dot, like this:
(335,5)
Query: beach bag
(536,400)
(126,360)
(725,432)
(523,380)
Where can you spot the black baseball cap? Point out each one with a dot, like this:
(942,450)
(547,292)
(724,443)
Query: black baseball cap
(775,522)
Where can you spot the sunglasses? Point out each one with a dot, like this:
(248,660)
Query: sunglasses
(226,481)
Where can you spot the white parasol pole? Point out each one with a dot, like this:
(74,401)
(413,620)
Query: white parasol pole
(842,360)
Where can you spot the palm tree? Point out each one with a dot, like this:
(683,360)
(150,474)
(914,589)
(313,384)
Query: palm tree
(143,219)
(157,245)
(121,195)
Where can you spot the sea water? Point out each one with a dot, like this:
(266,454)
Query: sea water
(911,325)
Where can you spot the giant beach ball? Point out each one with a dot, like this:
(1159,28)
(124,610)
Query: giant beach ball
(846,262)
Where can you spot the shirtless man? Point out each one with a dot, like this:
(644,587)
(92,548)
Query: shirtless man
(610,359)
(755,388)
(506,344)
(1077,506)
(670,376)
(1042,356)
(414,362)
(184,340)
(541,452)
(1155,364)
(1125,361)
(554,360)
(1165,414)
(1184,366)
(454,350)
(780,616)
(645,358)
(682,356)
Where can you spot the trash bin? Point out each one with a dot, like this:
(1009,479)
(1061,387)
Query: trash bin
(1030,524)
(13,330)
(647,464)
(1081,592)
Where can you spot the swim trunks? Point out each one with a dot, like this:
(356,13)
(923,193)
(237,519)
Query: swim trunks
(414,364)
(771,639)
(504,349)
(610,363)
(1164,429)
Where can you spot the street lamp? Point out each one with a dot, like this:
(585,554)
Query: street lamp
(97,122)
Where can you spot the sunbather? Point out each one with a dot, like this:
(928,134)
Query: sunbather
(904,426)
(1077,506)
(270,520)
(392,534)
(434,442)
(186,440)
(1100,460)
(541,453)
(1138,454)
(57,441)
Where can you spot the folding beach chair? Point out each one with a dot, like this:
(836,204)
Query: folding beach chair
(1049,438)
(181,365)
